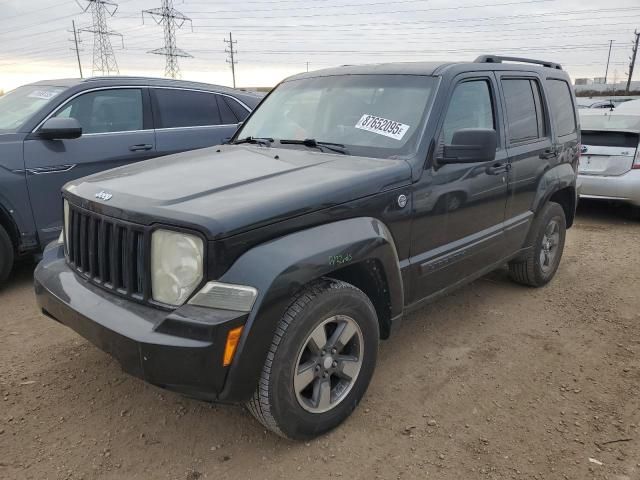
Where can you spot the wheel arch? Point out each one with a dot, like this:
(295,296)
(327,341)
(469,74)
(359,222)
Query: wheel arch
(360,251)
(10,226)
(558,185)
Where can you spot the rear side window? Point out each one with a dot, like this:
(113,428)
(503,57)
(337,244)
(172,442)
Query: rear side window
(185,108)
(561,106)
(107,111)
(240,112)
(470,107)
(525,118)
(226,114)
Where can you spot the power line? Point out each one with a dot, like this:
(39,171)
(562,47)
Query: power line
(231,51)
(171,20)
(104,60)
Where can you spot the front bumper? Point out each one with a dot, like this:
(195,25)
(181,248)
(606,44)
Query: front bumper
(180,350)
(624,188)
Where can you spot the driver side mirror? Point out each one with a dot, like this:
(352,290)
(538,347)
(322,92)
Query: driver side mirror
(470,145)
(59,128)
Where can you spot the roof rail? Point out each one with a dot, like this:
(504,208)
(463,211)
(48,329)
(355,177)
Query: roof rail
(499,59)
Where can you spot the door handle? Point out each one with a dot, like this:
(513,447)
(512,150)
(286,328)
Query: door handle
(549,153)
(140,147)
(498,168)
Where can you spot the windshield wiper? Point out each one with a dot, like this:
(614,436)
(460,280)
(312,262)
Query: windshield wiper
(255,140)
(313,143)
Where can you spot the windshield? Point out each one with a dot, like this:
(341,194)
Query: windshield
(610,122)
(18,105)
(370,115)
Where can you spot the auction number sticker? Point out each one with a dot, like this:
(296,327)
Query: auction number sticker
(44,94)
(382,126)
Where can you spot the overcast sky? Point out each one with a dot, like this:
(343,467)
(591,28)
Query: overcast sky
(277,38)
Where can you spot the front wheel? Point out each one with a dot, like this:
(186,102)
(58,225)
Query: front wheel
(546,244)
(6,255)
(320,363)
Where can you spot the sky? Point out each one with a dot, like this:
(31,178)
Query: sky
(276,38)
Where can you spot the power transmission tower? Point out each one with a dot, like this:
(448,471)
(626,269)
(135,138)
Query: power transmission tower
(633,59)
(76,40)
(171,20)
(232,52)
(104,60)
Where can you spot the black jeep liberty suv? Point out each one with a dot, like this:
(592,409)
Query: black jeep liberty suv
(266,271)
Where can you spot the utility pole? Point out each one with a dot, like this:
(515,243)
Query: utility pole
(77,49)
(171,20)
(633,59)
(307,66)
(608,58)
(104,60)
(231,51)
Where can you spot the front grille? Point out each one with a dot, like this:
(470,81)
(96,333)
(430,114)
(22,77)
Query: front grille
(109,252)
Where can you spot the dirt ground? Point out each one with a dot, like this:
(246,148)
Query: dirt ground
(495,381)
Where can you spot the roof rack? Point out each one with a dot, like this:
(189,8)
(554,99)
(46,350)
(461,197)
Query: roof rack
(499,59)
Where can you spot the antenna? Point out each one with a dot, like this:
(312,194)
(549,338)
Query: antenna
(104,60)
(171,19)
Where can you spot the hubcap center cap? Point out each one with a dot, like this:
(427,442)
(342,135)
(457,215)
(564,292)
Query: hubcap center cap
(327,362)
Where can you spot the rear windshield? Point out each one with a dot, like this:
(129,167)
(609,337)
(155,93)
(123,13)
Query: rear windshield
(18,105)
(609,139)
(610,122)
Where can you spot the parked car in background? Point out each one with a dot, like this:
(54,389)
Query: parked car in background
(269,272)
(610,162)
(630,107)
(55,131)
(584,103)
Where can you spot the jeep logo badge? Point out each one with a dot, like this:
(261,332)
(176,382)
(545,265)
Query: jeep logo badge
(105,196)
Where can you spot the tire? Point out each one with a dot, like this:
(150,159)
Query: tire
(6,255)
(540,264)
(280,402)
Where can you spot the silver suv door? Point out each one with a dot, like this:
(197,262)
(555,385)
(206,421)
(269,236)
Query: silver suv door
(188,119)
(116,131)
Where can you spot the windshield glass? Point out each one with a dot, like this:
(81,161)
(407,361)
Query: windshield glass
(371,115)
(610,122)
(18,105)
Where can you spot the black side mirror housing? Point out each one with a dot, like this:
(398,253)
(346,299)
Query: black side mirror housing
(470,145)
(59,128)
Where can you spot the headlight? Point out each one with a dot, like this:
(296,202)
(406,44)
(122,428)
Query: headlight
(66,223)
(176,266)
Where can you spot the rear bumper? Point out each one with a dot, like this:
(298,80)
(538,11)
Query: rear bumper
(624,188)
(180,350)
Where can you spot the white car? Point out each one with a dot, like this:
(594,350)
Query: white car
(610,161)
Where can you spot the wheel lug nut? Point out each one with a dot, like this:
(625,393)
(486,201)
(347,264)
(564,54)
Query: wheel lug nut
(334,364)
(323,353)
(333,351)
(317,368)
(325,374)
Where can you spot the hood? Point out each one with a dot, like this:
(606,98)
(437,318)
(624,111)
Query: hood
(226,190)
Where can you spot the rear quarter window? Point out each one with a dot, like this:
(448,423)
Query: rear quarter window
(561,106)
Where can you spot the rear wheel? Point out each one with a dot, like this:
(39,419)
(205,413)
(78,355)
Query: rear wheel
(6,255)
(546,242)
(320,362)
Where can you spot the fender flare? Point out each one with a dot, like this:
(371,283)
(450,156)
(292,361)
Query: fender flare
(552,181)
(279,268)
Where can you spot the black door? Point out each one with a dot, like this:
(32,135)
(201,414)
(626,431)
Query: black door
(459,209)
(530,148)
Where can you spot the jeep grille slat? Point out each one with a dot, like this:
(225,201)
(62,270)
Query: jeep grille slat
(110,253)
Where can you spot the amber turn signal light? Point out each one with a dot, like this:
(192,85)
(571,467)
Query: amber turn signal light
(233,337)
